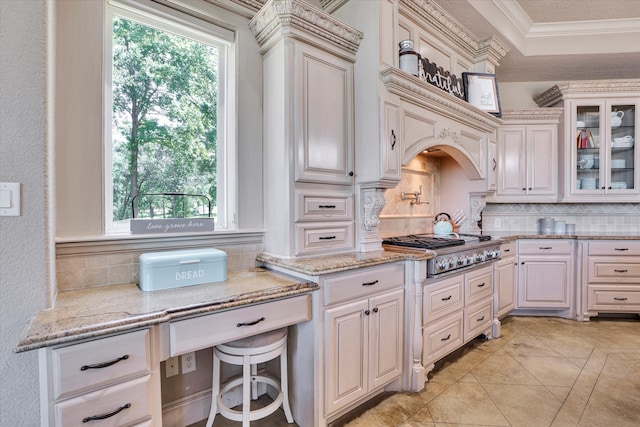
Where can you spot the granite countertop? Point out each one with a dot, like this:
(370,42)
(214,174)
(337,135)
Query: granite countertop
(97,312)
(317,265)
(515,235)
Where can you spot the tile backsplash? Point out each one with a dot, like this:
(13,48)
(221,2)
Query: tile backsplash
(84,271)
(588,217)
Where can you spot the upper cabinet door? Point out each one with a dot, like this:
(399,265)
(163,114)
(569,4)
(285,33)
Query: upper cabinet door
(603,157)
(324,129)
(542,160)
(512,161)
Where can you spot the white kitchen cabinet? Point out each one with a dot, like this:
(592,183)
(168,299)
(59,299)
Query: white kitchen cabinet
(505,280)
(527,159)
(109,382)
(545,274)
(611,277)
(308,128)
(455,310)
(599,159)
(363,337)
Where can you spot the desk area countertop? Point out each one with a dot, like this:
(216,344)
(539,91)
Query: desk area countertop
(97,312)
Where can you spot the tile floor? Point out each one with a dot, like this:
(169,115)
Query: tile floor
(540,372)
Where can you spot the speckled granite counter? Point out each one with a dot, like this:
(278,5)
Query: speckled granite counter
(318,265)
(102,311)
(515,235)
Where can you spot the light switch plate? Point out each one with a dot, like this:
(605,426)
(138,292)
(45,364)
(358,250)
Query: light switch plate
(9,199)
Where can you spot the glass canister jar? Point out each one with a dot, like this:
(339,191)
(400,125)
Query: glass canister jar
(409,58)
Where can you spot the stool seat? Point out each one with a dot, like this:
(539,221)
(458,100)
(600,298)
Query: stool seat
(256,341)
(249,352)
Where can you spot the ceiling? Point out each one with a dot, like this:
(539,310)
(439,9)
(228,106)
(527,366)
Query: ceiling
(557,40)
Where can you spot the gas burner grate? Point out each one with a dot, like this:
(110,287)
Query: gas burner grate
(423,242)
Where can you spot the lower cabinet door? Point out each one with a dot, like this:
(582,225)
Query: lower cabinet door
(385,339)
(119,405)
(346,354)
(544,282)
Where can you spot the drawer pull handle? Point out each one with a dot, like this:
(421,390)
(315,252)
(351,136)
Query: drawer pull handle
(393,139)
(327,206)
(621,249)
(620,299)
(447,338)
(326,237)
(480,319)
(191,261)
(545,247)
(105,364)
(255,322)
(105,416)
(370,283)
(481,285)
(621,271)
(447,298)
(507,250)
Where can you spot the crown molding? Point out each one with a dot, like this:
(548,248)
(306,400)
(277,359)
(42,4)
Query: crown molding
(587,89)
(533,114)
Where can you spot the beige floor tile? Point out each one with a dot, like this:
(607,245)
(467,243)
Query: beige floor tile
(503,370)
(550,371)
(528,345)
(560,392)
(530,406)
(421,419)
(568,345)
(466,403)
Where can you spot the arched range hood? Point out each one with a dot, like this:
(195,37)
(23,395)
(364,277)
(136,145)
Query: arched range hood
(434,120)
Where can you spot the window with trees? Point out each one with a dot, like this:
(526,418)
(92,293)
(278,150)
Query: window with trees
(166,144)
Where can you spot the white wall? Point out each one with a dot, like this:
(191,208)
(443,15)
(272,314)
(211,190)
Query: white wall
(514,96)
(25,242)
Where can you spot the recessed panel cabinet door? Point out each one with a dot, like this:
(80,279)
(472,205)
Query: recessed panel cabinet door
(544,282)
(512,167)
(324,107)
(346,354)
(541,156)
(386,338)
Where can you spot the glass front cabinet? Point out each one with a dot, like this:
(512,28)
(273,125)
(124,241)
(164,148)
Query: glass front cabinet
(602,158)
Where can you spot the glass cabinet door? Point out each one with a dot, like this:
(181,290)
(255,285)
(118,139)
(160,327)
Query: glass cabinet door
(588,141)
(606,156)
(621,147)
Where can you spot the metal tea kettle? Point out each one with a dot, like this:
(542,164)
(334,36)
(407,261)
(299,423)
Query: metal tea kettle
(442,224)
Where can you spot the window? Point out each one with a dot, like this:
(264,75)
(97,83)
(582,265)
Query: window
(166,139)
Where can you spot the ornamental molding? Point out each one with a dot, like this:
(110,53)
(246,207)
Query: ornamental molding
(279,17)
(438,20)
(431,98)
(548,114)
(373,202)
(253,5)
(449,133)
(587,88)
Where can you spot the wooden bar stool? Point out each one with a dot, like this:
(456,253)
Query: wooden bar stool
(248,352)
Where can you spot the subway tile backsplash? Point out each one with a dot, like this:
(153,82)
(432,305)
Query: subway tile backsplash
(588,217)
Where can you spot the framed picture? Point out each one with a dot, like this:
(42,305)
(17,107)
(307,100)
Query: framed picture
(481,91)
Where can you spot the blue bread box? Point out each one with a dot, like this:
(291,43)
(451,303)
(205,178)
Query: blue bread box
(175,269)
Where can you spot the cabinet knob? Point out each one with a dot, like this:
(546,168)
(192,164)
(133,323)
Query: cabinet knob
(351,173)
(367,312)
(375,309)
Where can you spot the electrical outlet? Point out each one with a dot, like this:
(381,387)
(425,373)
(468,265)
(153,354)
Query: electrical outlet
(188,362)
(171,366)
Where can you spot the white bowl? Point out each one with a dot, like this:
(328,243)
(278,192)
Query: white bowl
(619,185)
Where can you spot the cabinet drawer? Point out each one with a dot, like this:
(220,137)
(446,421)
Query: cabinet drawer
(441,338)
(612,270)
(508,249)
(206,331)
(478,284)
(616,248)
(544,247)
(363,283)
(323,237)
(442,298)
(91,364)
(318,206)
(477,318)
(619,298)
(129,402)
